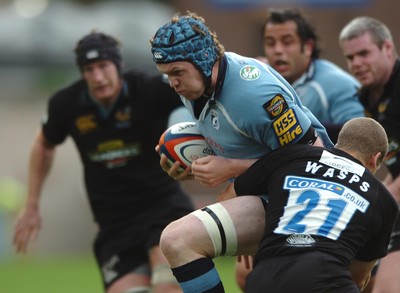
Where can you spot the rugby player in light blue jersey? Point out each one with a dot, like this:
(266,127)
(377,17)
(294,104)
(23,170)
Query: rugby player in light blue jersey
(290,43)
(244,109)
(291,46)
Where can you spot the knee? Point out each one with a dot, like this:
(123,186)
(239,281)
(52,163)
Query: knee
(173,239)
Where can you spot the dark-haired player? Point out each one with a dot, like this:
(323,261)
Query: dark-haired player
(291,45)
(115,119)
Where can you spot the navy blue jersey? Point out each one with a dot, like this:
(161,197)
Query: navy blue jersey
(320,200)
(121,168)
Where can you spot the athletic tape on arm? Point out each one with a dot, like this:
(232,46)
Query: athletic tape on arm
(220,227)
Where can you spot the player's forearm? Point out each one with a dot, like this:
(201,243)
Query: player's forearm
(361,272)
(238,166)
(40,163)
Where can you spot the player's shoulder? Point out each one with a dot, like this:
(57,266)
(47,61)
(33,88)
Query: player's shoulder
(384,201)
(247,68)
(251,80)
(383,194)
(240,69)
(329,72)
(69,92)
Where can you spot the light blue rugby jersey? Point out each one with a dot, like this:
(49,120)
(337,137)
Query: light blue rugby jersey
(329,92)
(255,112)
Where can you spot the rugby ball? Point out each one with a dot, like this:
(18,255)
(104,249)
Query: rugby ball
(184,143)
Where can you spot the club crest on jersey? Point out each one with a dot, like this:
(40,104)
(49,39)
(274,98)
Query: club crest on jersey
(123,118)
(250,72)
(287,127)
(214,119)
(85,123)
(382,106)
(276,106)
(123,115)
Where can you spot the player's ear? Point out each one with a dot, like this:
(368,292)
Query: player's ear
(374,162)
(387,47)
(309,47)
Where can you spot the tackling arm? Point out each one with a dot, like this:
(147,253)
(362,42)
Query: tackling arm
(361,272)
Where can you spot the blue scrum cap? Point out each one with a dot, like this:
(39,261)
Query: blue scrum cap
(188,39)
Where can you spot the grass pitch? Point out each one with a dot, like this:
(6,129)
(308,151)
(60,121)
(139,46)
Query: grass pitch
(77,274)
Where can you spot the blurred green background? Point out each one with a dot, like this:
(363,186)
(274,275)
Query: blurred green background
(77,274)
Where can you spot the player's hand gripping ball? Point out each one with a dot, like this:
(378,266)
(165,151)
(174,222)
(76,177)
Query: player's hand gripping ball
(183,142)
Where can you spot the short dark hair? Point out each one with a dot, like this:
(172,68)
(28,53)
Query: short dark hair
(305,30)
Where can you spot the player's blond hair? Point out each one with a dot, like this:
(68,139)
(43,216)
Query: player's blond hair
(364,137)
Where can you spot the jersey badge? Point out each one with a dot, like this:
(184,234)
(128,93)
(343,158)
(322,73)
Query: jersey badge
(287,127)
(85,123)
(123,118)
(123,115)
(250,72)
(382,106)
(276,106)
(214,119)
